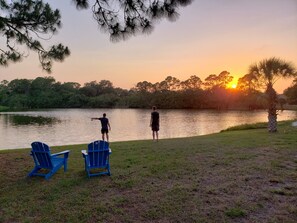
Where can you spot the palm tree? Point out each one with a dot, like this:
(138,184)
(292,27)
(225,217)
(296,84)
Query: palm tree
(268,71)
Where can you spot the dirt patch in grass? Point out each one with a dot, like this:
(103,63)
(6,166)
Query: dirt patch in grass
(258,182)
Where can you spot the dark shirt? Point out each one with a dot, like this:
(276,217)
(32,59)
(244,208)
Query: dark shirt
(155,118)
(104,123)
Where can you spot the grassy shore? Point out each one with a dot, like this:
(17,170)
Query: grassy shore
(233,176)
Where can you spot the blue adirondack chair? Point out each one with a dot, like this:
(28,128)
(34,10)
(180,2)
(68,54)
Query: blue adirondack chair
(43,159)
(97,157)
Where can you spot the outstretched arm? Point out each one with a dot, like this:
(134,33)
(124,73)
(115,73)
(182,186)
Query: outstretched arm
(94,119)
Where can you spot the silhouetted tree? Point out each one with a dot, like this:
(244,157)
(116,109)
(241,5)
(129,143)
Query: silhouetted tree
(4,92)
(216,89)
(40,84)
(43,94)
(282,101)
(89,89)
(250,89)
(144,86)
(221,80)
(19,86)
(192,83)
(172,83)
(123,18)
(249,84)
(26,23)
(291,93)
(268,71)
(95,88)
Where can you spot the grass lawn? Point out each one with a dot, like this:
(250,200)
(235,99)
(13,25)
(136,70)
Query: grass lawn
(234,176)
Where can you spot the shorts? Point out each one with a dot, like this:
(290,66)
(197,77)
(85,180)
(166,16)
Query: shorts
(155,128)
(104,131)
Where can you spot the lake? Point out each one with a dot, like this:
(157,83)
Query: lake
(74,126)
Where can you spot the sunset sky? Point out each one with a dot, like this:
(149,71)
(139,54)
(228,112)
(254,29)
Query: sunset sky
(210,36)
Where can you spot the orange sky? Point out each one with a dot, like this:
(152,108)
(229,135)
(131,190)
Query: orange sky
(209,37)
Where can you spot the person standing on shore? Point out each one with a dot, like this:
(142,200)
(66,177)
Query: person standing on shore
(155,123)
(105,126)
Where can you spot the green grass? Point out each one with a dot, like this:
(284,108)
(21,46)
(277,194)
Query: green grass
(234,176)
(235,212)
(261,125)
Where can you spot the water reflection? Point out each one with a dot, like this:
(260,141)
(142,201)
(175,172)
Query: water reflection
(74,126)
(16,120)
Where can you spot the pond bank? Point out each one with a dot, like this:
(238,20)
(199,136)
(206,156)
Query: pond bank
(74,126)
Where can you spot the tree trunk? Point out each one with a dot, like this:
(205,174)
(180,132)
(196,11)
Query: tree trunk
(272,123)
(272,114)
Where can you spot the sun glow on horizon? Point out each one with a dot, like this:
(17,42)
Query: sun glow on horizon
(232,84)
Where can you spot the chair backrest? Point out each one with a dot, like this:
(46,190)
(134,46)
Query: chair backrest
(98,152)
(41,155)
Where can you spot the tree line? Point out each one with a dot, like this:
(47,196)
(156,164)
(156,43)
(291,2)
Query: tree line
(212,93)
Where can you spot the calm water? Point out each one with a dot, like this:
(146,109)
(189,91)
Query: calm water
(74,126)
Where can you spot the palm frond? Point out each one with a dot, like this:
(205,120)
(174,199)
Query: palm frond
(272,69)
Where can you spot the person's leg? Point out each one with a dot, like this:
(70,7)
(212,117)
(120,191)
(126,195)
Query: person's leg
(157,135)
(107,137)
(153,135)
(102,134)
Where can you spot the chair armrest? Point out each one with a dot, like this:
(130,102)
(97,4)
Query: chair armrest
(65,153)
(84,153)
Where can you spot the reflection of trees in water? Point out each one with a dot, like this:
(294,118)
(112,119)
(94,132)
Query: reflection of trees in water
(30,120)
